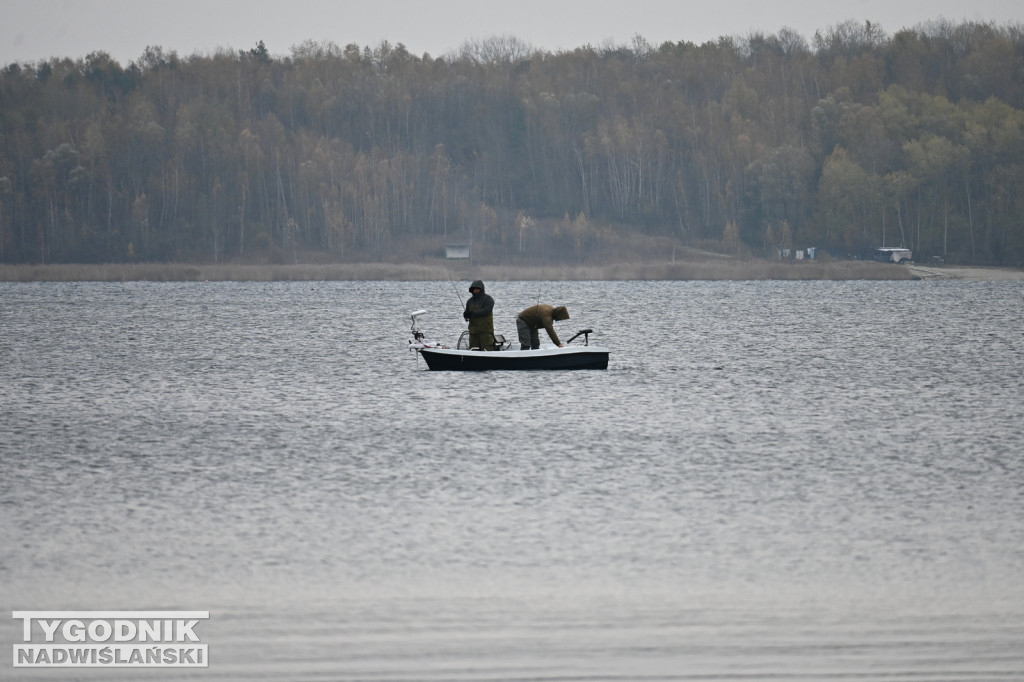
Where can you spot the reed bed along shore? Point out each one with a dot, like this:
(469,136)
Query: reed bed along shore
(736,270)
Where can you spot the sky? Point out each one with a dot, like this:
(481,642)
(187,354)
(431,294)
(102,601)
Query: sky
(31,30)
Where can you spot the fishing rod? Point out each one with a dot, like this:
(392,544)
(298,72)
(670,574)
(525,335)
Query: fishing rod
(462,304)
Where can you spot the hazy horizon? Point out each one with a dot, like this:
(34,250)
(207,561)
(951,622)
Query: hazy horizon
(36,30)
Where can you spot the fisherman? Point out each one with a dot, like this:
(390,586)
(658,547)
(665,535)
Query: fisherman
(533,318)
(479,314)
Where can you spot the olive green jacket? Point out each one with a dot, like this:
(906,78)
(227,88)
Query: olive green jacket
(543,316)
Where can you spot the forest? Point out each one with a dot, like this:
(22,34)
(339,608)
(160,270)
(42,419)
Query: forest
(850,140)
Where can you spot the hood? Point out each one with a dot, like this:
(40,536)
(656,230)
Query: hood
(560,313)
(477,284)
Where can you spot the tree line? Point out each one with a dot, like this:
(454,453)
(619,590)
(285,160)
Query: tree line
(852,140)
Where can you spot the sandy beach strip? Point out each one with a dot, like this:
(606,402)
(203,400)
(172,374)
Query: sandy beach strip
(698,270)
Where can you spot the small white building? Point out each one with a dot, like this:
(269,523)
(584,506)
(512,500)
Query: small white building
(456,250)
(891,254)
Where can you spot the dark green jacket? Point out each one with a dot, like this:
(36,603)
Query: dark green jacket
(481,310)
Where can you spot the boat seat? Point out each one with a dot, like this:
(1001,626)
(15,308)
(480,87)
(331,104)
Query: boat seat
(500,343)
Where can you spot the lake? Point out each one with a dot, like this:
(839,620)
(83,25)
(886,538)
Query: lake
(771,481)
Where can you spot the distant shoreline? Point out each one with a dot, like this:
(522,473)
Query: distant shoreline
(724,270)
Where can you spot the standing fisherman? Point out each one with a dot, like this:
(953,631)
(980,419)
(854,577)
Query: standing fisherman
(479,309)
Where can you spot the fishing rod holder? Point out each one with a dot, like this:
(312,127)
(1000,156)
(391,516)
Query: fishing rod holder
(586,336)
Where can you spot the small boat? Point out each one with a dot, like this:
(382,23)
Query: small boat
(463,358)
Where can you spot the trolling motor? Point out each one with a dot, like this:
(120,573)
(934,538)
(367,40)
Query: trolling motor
(417,335)
(419,339)
(586,336)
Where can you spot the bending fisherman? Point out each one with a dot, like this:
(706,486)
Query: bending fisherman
(533,318)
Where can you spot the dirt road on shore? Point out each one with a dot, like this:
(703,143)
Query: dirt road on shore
(977,274)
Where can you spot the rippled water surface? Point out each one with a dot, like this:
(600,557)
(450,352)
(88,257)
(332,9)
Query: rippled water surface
(785,481)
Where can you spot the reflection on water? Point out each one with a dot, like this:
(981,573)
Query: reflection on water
(771,480)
